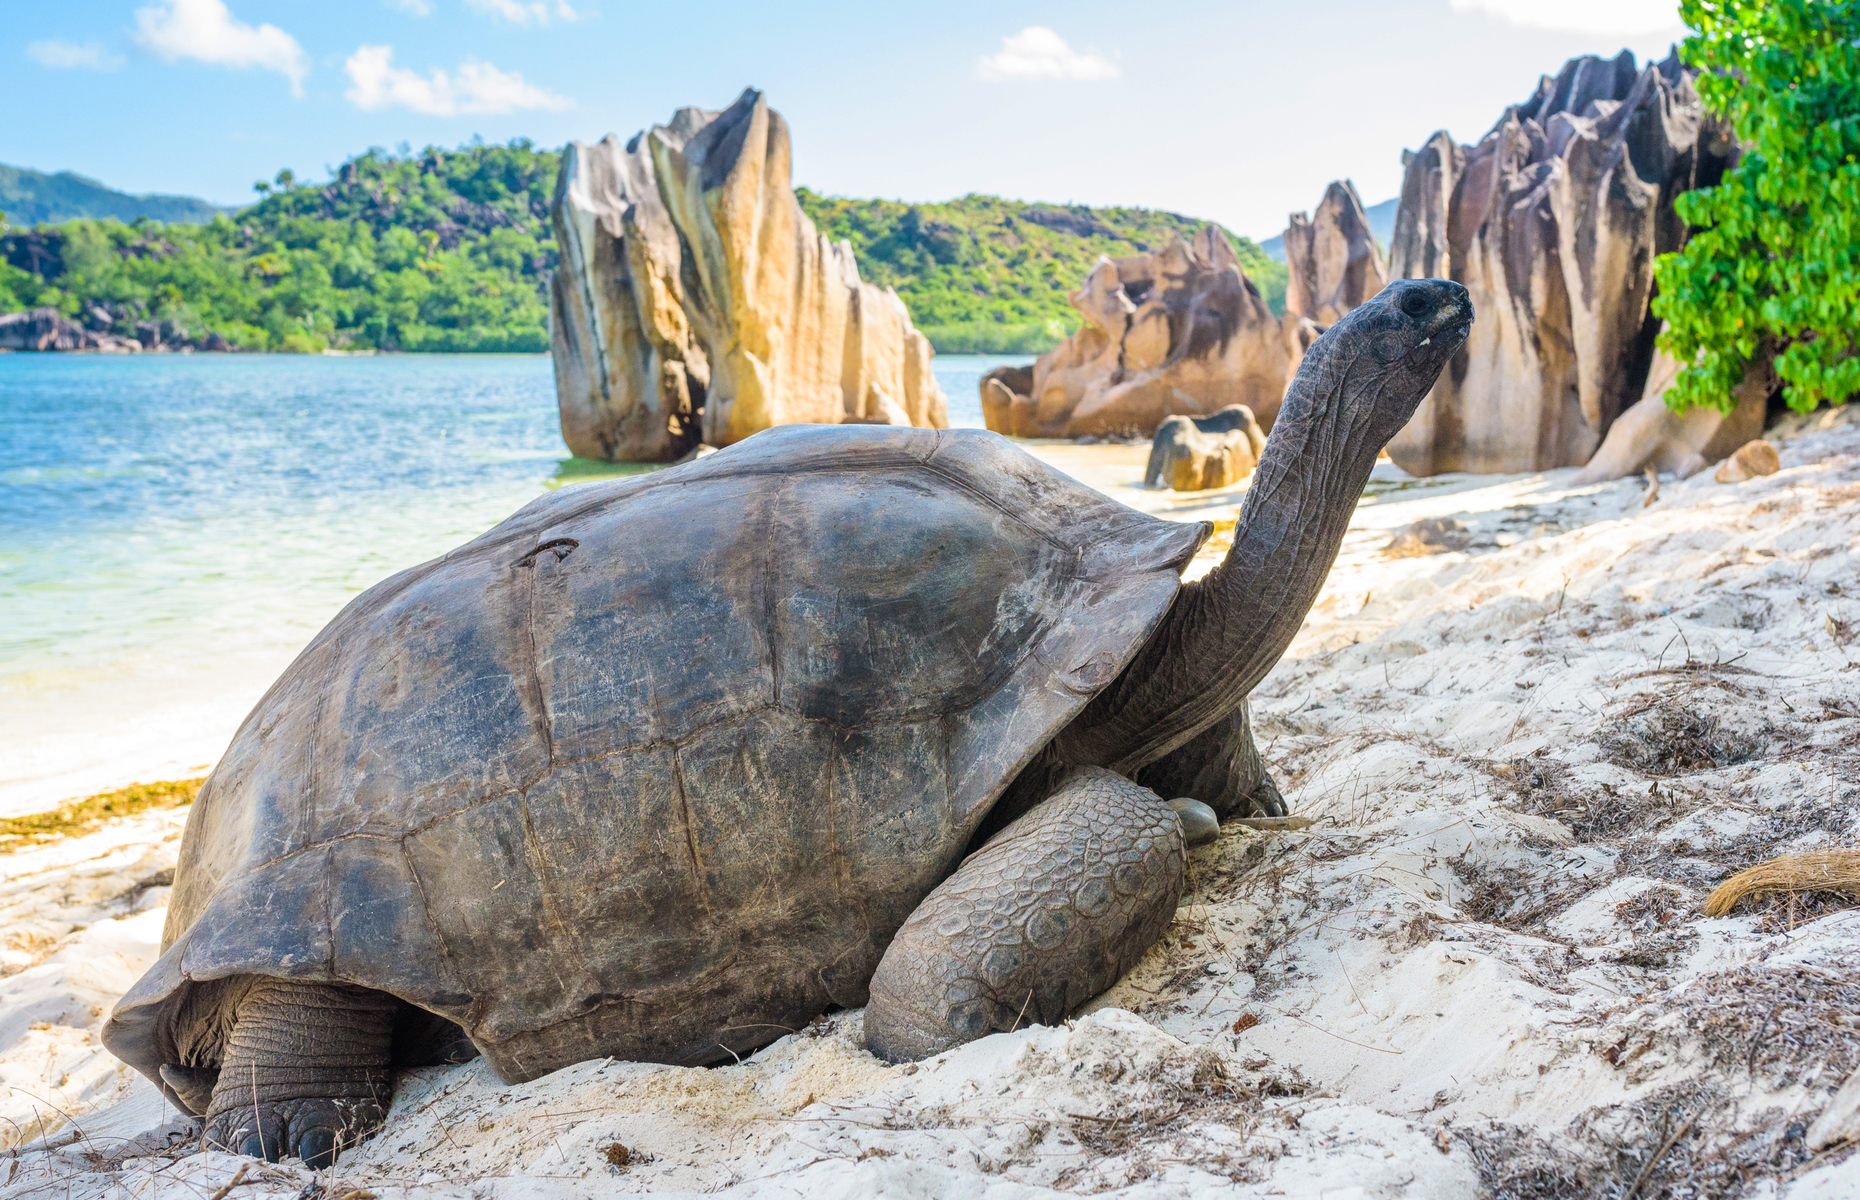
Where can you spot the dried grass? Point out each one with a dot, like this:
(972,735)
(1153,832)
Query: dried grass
(1824,871)
(1663,736)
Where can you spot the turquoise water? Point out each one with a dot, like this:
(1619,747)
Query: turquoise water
(221,501)
(173,529)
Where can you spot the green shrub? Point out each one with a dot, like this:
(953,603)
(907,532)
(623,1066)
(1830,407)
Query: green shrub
(1774,257)
(299,342)
(995,337)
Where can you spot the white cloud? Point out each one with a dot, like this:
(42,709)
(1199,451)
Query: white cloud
(527,12)
(1621,17)
(416,8)
(478,87)
(1036,52)
(206,31)
(67,56)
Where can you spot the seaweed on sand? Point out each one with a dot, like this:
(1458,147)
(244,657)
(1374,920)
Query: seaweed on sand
(74,818)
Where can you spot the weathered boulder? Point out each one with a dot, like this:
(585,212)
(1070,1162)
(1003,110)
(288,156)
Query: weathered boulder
(1002,389)
(47,329)
(1652,435)
(1552,222)
(695,301)
(1332,261)
(1430,535)
(1182,331)
(1018,380)
(1191,454)
(1749,461)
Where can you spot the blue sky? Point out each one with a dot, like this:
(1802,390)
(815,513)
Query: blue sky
(1240,112)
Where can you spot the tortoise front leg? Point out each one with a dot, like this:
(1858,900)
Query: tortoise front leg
(306,1071)
(1221,767)
(1045,916)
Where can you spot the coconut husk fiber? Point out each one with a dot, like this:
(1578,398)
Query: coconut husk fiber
(1823,871)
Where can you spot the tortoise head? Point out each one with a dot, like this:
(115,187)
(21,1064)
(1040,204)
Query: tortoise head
(1385,354)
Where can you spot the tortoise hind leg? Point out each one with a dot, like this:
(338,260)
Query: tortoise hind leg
(1045,916)
(306,1071)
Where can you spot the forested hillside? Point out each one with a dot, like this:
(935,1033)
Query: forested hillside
(441,250)
(981,274)
(451,250)
(34,197)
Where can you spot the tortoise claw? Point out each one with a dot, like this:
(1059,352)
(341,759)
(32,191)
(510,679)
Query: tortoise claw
(1266,800)
(316,1130)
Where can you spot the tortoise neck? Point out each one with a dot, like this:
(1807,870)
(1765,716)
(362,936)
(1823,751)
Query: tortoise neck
(1290,529)
(1225,632)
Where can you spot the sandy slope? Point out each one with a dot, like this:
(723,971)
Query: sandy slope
(1483,968)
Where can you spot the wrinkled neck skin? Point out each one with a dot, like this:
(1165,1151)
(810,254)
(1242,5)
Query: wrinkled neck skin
(1225,632)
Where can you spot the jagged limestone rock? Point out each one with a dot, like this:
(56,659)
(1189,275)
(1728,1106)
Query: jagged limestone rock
(1333,263)
(1552,222)
(1181,331)
(695,301)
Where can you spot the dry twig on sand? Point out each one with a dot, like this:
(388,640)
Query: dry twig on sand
(1823,871)
(237,1179)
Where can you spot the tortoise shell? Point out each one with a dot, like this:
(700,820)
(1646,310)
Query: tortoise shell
(655,768)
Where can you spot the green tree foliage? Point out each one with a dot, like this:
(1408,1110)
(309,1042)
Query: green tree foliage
(443,250)
(986,275)
(1774,258)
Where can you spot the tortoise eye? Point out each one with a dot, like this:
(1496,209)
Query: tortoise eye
(1416,303)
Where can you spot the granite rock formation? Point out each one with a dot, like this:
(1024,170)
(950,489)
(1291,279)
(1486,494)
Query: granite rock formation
(695,302)
(1552,222)
(1181,331)
(1001,388)
(1194,455)
(1651,435)
(47,329)
(1333,263)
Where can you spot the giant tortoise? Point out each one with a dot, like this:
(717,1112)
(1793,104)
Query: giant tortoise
(663,768)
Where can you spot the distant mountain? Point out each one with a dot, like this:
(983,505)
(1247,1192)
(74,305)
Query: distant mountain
(1381,223)
(30,197)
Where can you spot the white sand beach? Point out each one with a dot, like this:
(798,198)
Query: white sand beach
(1483,967)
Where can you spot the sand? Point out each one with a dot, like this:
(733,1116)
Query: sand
(1483,969)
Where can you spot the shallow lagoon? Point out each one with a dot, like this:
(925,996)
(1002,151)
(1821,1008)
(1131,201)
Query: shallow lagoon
(173,528)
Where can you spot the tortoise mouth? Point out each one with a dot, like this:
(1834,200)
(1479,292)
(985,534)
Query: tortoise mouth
(1448,339)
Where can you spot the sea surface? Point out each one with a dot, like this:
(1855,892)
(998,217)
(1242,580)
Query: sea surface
(174,528)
